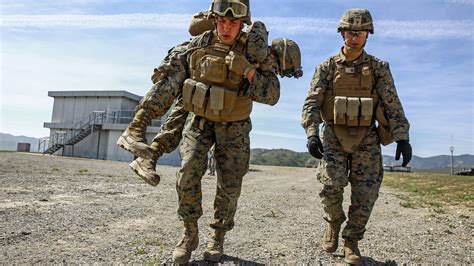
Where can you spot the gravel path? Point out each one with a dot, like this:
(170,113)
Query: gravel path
(69,210)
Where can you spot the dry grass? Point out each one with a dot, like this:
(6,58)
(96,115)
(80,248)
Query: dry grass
(433,189)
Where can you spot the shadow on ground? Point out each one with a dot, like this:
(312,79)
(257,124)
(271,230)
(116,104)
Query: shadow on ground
(228,260)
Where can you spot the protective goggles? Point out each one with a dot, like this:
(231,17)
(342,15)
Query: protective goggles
(238,10)
(356,34)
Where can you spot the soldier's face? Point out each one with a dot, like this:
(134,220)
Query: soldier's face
(228,29)
(355,39)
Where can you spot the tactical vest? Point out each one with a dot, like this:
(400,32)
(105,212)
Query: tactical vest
(350,102)
(213,91)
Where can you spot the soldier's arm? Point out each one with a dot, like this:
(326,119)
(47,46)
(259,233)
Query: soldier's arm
(168,80)
(311,117)
(265,86)
(387,92)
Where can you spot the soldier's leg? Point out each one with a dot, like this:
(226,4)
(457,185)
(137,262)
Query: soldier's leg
(166,141)
(153,105)
(332,172)
(232,155)
(193,150)
(365,178)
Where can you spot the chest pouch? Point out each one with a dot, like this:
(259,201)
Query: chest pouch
(213,69)
(366,111)
(195,96)
(188,91)
(353,111)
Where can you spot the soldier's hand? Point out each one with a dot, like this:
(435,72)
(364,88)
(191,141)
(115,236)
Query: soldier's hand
(157,75)
(238,63)
(315,147)
(404,149)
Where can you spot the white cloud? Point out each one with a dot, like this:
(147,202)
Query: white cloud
(417,29)
(167,21)
(279,135)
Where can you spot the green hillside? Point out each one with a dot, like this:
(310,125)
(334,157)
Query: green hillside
(282,157)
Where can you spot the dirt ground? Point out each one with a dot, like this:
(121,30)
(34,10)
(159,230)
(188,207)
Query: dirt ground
(69,210)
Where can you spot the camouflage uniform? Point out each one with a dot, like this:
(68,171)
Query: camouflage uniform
(365,172)
(168,80)
(232,151)
(170,135)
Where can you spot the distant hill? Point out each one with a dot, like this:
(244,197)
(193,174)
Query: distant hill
(9,142)
(282,157)
(435,162)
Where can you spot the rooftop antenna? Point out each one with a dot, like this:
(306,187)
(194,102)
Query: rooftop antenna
(451,149)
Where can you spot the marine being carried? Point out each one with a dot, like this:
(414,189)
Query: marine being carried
(167,93)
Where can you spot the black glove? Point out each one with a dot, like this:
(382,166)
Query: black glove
(315,147)
(403,148)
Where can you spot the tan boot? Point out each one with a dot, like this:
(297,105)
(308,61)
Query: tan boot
(145,168)
(351,252)
(215,247)
(132,139)
(331,237)
(188,243)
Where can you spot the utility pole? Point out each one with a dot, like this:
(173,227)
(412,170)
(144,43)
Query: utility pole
(452,157)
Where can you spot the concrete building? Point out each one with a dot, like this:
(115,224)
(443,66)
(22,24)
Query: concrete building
(88,124)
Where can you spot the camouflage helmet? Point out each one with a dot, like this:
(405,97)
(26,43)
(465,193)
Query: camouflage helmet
(236,9)
(200,23)
(289,57)
(356,19)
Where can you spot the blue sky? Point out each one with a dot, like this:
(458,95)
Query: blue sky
(114,45)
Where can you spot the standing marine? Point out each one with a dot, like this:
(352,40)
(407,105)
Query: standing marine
(353,95)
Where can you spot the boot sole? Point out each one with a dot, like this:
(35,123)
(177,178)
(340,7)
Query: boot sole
(151,180)
(142,150)
(210,257)
(353,262)
(330,250)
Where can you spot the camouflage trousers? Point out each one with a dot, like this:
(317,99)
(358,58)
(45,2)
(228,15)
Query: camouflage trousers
(159,98)
(232,154)
(362,169)
(167,140)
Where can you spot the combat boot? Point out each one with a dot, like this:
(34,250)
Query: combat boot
(133,139)
(215,246)
(351,252)
(145,168)
(188,243)
(331,237)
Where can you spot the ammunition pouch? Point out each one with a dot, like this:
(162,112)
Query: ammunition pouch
(215,103)
(208,66)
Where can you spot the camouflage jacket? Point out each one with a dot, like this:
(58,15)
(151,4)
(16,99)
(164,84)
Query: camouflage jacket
(384,87)
(265,87)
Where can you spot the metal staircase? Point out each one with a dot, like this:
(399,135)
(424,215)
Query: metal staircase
(77,132)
